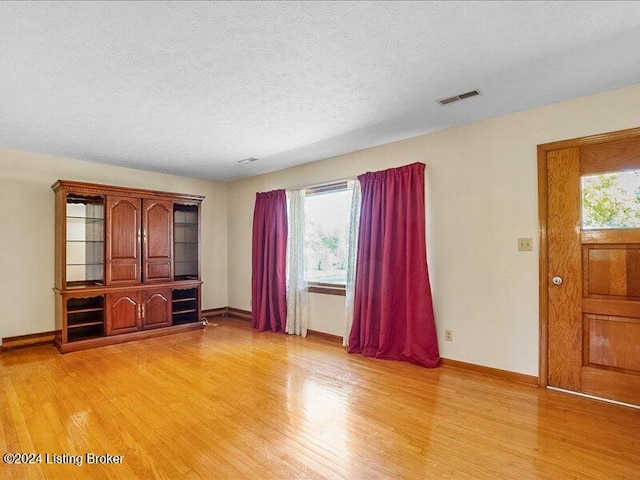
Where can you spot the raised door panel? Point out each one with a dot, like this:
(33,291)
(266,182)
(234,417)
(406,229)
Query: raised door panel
(156,308)
(124,312)
(612,270)
(158,240)
(123,240)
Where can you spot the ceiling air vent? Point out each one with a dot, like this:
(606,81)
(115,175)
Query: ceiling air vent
(457,98)
(248,160)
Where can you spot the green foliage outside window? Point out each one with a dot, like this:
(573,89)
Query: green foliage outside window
(611,200)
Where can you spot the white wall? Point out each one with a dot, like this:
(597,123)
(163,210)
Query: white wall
(481,196)
(326,314)
(27,235)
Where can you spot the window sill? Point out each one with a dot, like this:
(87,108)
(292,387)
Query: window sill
(327,289)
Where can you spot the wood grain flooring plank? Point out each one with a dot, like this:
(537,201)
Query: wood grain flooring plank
(230,403)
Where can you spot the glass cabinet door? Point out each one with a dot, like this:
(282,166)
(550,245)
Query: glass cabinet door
(84,240)
(185,242)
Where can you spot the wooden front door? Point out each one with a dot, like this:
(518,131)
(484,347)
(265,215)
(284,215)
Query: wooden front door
(157,240)
(123,264)
(592,276)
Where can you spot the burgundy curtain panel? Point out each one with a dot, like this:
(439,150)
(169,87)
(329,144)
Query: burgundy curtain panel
(393,310)
(269,262)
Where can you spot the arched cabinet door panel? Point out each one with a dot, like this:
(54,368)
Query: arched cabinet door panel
(124,232)
(124,312)
(156,308)
(157,240)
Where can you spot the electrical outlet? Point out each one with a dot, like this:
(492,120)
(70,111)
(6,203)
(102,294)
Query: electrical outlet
(525,244)
(448,335)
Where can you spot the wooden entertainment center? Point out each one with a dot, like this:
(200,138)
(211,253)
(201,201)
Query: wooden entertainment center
(127,264)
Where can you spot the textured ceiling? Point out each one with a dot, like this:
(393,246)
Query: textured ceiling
(192,87)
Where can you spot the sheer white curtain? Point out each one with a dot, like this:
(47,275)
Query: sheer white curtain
(297,313)
(354,222)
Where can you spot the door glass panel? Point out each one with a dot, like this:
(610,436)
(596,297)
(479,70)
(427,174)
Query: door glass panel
(85,240)
(185,242)
(611,200)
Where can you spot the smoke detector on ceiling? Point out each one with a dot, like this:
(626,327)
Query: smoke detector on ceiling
(457,98)
(248,160)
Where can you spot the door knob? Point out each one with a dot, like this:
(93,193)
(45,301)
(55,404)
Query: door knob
(556,280)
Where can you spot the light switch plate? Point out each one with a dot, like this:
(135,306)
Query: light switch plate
(525,244)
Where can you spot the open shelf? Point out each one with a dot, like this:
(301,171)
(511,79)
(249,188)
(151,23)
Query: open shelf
(183,318)
(80,219)
(184,294)
(83,284)
(82,325)
(184,306)
(185,277)
(86,310)
(85,318)
(77,304)
(85,333)
(79,318)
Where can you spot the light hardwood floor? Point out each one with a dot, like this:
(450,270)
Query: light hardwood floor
(228,402)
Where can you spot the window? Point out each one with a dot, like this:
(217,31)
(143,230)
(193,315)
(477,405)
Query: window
(611,200)
(326,237)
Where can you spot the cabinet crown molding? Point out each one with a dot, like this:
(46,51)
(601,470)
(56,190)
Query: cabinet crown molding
(100,189)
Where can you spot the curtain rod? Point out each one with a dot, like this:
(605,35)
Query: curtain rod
(323,184)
